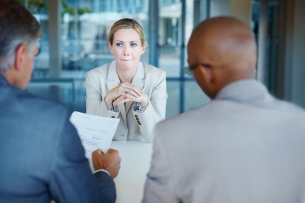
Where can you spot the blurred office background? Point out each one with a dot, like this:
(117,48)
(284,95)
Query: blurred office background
(75,35)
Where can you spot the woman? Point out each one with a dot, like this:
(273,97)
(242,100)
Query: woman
(126,88)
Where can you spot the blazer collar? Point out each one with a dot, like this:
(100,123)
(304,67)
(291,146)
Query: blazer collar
(137,78)
(138,81)
(247,90)
(112,78)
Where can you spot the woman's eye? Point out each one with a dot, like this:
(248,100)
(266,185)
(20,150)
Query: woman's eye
(133,44)
(119,44)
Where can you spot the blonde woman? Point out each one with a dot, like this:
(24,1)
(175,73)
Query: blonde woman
(126,88)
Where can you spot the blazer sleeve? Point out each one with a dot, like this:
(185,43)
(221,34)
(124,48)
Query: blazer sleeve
(95,104)
(155,111)
(158,185)
(71,179)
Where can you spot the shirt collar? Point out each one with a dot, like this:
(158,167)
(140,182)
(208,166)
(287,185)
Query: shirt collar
(242,90)
(3,81)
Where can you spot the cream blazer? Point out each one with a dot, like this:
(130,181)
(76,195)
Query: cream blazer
(243,146)
(133,125)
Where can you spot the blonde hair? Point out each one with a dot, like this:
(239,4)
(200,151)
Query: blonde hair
(126,23)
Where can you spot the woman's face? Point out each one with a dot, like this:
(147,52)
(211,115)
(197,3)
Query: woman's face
(126,48)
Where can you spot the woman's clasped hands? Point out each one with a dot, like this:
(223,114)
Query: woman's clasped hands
(125,92)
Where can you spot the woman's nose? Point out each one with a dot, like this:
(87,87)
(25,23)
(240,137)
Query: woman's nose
(126,51)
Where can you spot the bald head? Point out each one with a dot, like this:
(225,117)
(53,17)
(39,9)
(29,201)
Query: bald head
(222,50)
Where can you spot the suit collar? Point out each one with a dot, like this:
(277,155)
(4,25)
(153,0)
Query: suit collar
(112,82)
(139,76)
(3,81)
(112,78)
(137,81)
(247,90)
(112,74)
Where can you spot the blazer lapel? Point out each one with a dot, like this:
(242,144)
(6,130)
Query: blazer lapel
(112,82)
(137,81)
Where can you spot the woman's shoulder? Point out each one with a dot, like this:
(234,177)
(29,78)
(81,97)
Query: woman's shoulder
(150,69)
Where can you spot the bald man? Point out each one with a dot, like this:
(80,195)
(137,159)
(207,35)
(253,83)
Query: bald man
(244,146)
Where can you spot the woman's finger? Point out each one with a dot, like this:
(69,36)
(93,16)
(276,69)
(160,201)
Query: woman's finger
(133,91)
(125,91)
(133,87)
(120,100)
(117,100)
(130,96)
(124,100)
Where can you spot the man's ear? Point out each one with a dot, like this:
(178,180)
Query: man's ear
(21,52)
(207,74)
(110,47)
(205,78)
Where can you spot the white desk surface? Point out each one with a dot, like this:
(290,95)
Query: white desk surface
(135,163)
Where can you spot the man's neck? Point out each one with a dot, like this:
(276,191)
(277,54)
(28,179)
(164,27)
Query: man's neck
(10,77)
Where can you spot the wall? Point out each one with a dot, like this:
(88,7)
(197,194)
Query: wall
(298,56)
(241,9)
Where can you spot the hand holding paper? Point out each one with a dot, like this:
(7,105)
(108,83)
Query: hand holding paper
(95,132)
(110,162)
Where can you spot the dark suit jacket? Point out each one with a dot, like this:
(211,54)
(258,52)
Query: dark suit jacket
(41,156)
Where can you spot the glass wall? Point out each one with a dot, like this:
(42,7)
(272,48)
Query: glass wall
(85,31)
(176,23)
(272,43)
(170,37)
(84,28)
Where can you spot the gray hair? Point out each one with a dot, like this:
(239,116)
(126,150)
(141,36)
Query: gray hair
(18,26)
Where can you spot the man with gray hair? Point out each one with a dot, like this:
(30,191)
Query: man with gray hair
(41,154)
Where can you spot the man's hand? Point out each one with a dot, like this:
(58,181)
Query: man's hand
(110,162)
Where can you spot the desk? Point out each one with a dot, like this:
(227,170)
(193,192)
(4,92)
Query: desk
(135,163)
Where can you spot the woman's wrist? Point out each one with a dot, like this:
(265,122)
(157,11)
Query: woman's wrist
(144,102)
(108,102)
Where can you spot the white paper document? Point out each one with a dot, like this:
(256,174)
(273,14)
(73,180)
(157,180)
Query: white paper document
(95,132)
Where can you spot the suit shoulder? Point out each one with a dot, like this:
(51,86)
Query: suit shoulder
(35,104)
(290,108)
(152,70)
(55,105)
(180,120)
